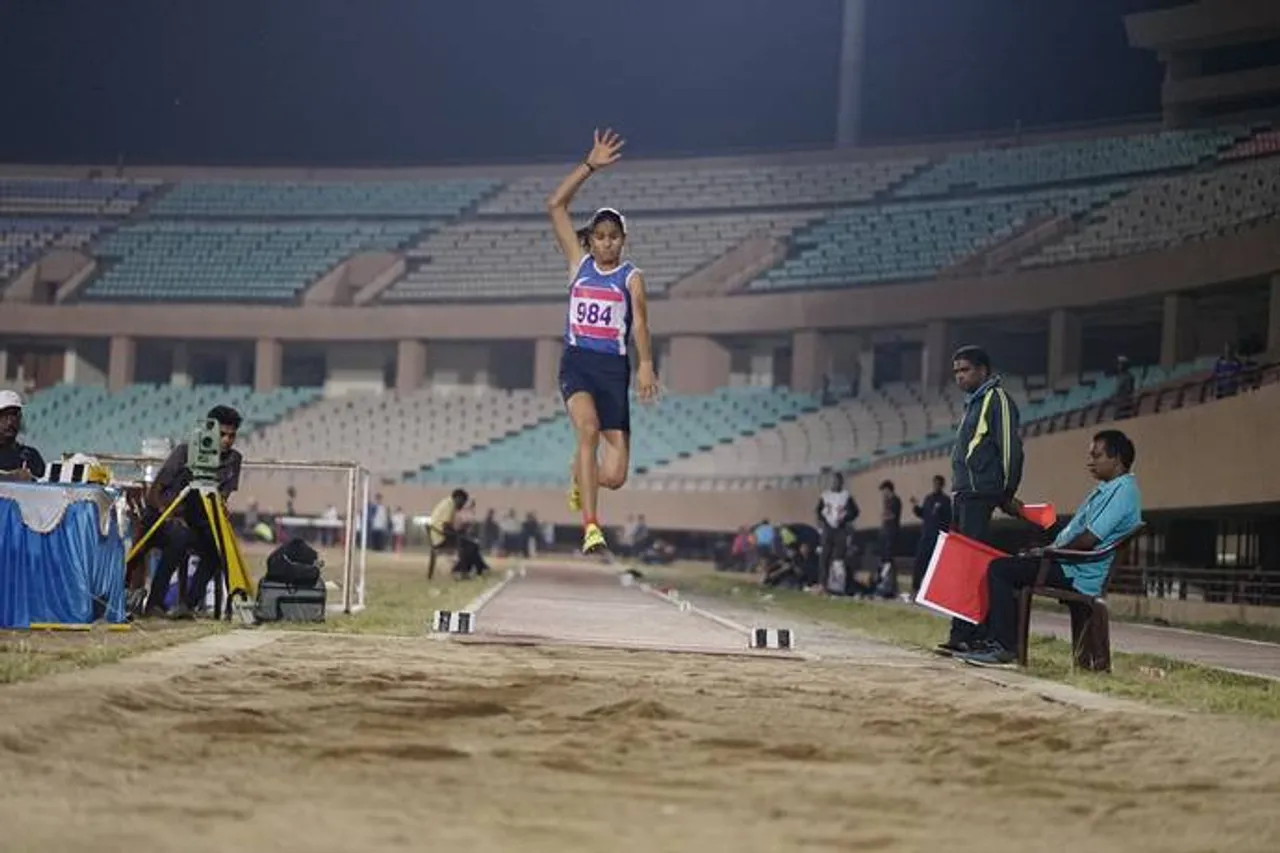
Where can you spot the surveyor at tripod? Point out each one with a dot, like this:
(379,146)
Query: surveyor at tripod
(186,531)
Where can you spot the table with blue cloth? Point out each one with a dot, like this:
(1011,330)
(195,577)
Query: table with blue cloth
(62,555)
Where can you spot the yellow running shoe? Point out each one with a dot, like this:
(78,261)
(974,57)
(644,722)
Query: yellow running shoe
(575,496)
(593,540)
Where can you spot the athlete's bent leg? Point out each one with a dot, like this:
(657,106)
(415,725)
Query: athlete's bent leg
(615,460)
(586,425)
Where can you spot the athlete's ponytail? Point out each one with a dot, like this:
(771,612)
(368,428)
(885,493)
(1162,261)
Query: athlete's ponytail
(584,237)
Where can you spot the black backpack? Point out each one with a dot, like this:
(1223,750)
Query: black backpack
(294,564)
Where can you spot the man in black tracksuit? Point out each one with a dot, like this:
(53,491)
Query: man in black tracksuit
(935,516)
(986,462)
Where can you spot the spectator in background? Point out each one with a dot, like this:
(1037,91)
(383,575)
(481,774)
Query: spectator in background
(1123,399)
(890,525)
(837,511)
(379,524)
(986,461)
(935,516)
(399,526)
(446,531)
(766,543)
(18,461)
(329,532)
(510,526)
(1226,373)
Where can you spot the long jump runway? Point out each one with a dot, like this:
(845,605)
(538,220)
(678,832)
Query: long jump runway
(591,606)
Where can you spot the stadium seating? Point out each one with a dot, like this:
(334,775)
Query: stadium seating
(696,187)
(392,434)
(879,424)
(250,199)
(679,426)
(1164,213)
(88,419)
(1077,160)
(494,260)
(224,262)
(1263,144)
(45,196)
(24,240)
(899,242)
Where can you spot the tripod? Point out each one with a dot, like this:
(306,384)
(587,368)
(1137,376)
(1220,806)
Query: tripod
(230,572)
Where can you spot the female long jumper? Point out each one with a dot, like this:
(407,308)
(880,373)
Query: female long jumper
(607,315)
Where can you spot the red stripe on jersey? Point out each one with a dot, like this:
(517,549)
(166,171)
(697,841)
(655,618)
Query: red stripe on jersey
(602,293)
(599,333)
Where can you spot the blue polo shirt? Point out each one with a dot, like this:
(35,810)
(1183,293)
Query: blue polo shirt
(1110,511)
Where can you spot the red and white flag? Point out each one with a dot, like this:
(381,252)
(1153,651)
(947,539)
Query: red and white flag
(956,581)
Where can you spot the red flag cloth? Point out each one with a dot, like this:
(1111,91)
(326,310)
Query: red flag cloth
(956,581)
(1042,515)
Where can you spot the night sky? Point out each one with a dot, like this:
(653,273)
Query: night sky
(364,82)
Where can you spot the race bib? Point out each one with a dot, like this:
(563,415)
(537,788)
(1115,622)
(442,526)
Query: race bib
(598,309)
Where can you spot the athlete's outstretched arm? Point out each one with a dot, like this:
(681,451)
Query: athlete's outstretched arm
(646,377)
(605,151)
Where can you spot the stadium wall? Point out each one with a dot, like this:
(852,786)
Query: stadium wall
(1213,456)
(1217,455)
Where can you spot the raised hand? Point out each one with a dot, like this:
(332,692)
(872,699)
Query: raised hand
(606,149)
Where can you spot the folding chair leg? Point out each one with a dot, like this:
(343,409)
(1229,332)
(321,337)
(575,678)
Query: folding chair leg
(1024,624)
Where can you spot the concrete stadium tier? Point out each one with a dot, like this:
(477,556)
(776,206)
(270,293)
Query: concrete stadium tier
(478,259)
(1075,160)
(98,197)
(393,434)
(866,245)
(68,419)
(250,199)
(1240,470)
(1263,144)
(696,186)
(878,426)
(1166,212)
(676,427)
(24,240)
(225,262)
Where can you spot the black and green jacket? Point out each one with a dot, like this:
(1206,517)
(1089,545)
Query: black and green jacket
(987,457)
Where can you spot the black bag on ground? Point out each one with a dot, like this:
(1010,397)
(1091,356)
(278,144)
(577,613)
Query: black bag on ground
(295,564)
(292,589)
(280,602)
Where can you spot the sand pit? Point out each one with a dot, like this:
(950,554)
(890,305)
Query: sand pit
(324,743)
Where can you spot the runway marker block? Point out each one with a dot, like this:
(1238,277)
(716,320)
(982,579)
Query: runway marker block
(772,638)
(453,622)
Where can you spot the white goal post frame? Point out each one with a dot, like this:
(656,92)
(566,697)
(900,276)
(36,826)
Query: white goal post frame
(354,553)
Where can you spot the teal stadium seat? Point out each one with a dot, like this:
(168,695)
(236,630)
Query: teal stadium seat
(87,419)
(678,426)
(915,240)
(226,262)
(253,199)
(1104,158)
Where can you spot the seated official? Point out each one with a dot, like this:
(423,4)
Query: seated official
(186,530)
(1107,514)
(445,531)
(18,462)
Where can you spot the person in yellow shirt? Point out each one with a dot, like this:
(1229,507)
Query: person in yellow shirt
(445,532)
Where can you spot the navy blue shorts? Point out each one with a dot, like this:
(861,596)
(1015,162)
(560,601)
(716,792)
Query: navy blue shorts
(606,377)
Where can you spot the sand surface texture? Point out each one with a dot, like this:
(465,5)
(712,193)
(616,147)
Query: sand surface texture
(324,743)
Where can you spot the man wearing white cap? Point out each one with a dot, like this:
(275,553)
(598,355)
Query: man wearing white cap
(17,461)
